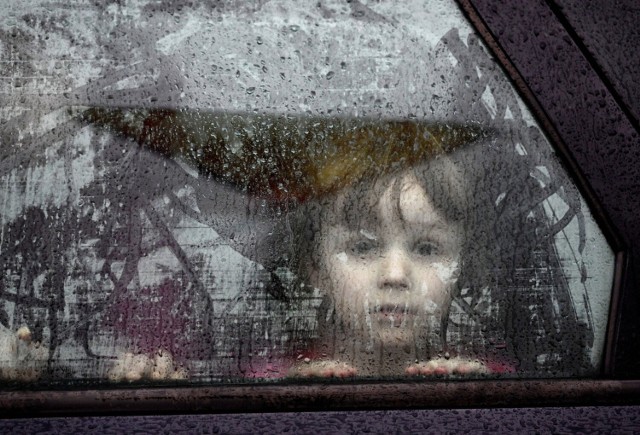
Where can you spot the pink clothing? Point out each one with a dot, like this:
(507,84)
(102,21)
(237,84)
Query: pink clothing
(279,368)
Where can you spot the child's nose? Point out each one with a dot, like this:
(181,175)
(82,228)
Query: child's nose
(395,271)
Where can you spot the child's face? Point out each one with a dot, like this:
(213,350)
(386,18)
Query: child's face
(390,278)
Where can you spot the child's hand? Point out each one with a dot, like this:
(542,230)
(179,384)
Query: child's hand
(21,359)
(447,366)
(322,369)
(132,367)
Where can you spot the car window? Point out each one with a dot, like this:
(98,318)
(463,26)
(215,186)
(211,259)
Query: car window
(267,191)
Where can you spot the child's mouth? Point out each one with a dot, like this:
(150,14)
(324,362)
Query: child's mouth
(394,315)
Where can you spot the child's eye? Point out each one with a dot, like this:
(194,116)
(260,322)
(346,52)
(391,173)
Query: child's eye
(426,248)
(364,246)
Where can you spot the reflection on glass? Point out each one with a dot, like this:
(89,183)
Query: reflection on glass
(284,157)
(228,202)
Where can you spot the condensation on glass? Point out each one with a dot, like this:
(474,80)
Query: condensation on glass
(260,191)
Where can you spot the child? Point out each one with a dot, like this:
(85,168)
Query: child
(388,254)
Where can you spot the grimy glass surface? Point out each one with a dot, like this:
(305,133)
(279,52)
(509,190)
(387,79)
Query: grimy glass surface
(261,191)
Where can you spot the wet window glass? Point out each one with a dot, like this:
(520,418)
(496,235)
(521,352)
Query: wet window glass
(275,190)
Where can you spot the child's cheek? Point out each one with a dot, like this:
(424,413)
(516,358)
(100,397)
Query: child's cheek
(428,292)
(349,282)
(342,258)
(446,271)
(436,282)
(338,283)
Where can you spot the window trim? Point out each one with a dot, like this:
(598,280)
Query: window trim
(326,396)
